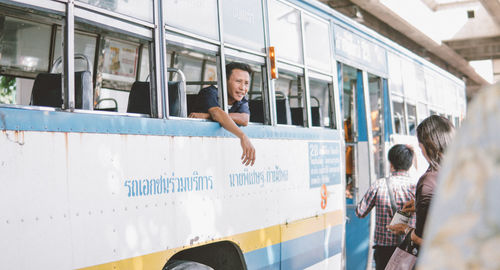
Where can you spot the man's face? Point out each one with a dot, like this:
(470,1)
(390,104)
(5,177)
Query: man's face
(237,85)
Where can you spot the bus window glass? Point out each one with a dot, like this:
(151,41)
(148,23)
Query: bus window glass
(289,88)
(423,112)
(247,15)
(196,16)
(395,76)
(285,31)
(350,83)
(24,45)
(421,93)
(317,43)
(376,111)
(142,10)
(256,93)
(198,66)
(399,117)
(84,44)
(321,103)
(412,118)
(409,79)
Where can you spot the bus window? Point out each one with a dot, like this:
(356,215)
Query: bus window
(7,90)
(285,33)
(290,104)
(198,66)
(322,113)
(399,117)
(423,112)
(24,52)
(376,111)
(317,43)
(24,45)
(244,14)
(138,9)
(256,95)
(118,73)
(84,44)
(412,118)
(195,16)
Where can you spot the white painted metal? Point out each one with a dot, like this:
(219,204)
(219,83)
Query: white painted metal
(66,203)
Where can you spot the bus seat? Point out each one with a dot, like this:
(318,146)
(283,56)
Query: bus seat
(47,90)
(192,103)
(316,116)
(175,92)
(256,112)
(297,116)
(283,111)
(139,99)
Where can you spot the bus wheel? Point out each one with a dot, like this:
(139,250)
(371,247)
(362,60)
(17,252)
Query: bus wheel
(186,265)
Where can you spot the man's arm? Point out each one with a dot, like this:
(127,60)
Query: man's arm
(367,203)
(226,122)
(199,115)
(240,118)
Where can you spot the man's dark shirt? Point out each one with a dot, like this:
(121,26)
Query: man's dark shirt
(209,97)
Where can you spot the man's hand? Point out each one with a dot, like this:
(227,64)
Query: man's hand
(199,115)
(248,155)
(397,228)
(409,207)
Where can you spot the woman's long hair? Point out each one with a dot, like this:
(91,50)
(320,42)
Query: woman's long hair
(435,133)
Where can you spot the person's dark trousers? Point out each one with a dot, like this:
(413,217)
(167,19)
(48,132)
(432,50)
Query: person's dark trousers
(382,255)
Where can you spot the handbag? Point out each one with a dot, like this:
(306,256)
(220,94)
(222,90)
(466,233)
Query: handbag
(405,255)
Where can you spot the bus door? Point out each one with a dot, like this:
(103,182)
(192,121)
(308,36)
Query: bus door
(358,161)
(377,122)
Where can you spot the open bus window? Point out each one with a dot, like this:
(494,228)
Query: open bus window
(118,70)
(256,95)
(412,118)
(290,95)
(198,66)
(399,118)
(322,113)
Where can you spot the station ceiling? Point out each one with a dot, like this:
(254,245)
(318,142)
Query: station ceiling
(449,33)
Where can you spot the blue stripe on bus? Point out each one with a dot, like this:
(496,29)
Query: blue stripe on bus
(298,253)
(360,103)
(387,113)
(21,119)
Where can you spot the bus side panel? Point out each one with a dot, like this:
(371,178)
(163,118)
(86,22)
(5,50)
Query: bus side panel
(34,212)
(97,198)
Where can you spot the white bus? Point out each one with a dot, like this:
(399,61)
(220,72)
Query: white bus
(100,167)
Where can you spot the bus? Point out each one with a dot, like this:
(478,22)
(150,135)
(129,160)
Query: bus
(101,168)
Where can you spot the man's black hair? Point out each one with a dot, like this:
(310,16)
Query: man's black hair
(237,65)
(401,157)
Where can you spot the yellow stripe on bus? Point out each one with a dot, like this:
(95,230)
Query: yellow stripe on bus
(247,241)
